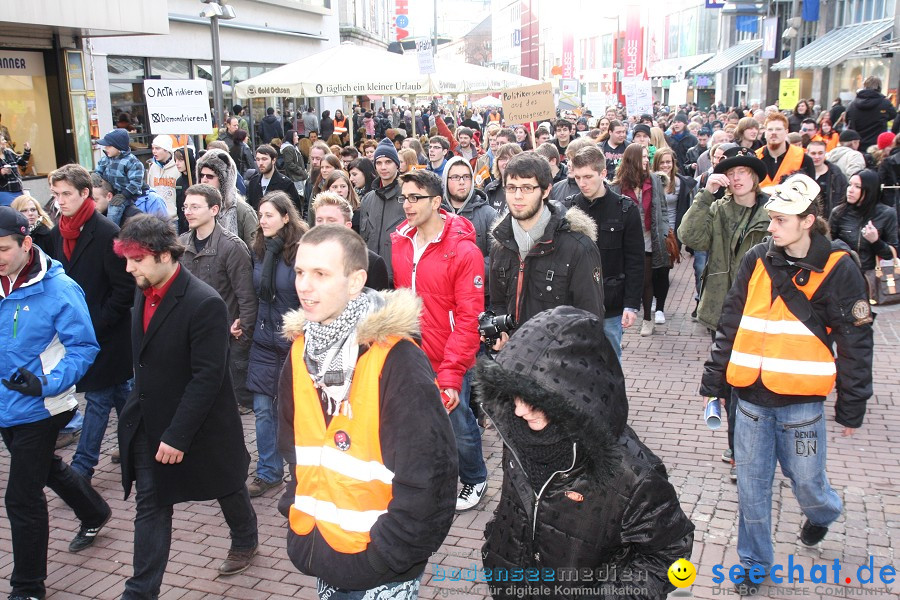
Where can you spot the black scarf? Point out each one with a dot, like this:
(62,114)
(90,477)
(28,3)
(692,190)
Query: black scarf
(274,247)
(542,452)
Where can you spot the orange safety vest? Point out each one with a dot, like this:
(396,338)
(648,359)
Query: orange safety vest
(793,160)
(774,345)
(343,485)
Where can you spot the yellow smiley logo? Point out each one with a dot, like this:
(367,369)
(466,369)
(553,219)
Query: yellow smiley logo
(682,573)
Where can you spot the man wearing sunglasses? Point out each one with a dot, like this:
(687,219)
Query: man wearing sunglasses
(543,256)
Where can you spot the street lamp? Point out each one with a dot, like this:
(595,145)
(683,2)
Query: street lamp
(215,10)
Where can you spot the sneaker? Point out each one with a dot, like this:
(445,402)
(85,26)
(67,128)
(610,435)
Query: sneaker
(244,410)
(260,486)
(115,457)
(746,587)
(20,597)
(86,535)
(237,561)
(646,328)
(733,473)
(67,439)
(694,312)
(660,317)
(727,456)
(470,495)
(811,534)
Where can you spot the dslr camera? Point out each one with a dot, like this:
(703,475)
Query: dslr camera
(490,326)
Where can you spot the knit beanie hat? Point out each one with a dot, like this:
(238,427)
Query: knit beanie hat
(386,148)
(849,135)
(885,140)
(641,128)
(681,117)
(117,138)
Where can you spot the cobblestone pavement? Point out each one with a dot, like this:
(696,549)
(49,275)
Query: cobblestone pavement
(662,371)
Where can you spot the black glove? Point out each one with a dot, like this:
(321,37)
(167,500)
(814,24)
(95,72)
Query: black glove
(26,382)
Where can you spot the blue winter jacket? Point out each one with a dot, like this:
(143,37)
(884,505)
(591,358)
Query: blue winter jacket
(270,349)
(45,327)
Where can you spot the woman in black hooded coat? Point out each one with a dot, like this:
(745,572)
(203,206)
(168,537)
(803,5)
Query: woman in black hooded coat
(580,491)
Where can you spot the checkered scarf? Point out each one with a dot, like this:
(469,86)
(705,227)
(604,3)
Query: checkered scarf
(331,352)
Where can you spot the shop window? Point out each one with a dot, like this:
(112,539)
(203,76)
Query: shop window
(170,68)
(126,94)
(25,109)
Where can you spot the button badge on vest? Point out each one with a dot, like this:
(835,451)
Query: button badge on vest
(342,440)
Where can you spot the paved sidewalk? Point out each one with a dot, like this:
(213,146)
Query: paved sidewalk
(662,372)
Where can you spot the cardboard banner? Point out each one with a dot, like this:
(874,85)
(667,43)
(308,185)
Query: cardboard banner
(634,42)
(529,103)
(178,106)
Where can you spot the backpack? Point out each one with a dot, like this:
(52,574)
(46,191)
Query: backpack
(152,203)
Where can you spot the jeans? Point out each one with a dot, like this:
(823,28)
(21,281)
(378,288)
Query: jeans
(612,327)
(238,359)
(270,466)
(32,466)
(400,590)
(75,423)
(96,418)
(700,258)
(153,524)
(472,469)
(795,436)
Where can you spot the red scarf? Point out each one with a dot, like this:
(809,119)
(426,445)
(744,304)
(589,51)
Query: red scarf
(70,227)
(646,201)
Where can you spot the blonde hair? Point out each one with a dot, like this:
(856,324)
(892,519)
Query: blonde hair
(658,138)
(22,202)
(333,199)
(409,157)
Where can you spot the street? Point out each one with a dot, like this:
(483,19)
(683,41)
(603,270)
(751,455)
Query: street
(662,372)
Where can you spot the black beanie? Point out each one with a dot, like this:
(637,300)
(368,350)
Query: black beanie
(386,148)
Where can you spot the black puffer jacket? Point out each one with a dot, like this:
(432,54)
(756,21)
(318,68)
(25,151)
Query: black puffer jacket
(564,267)
(841,303)
(868,115)
(612,507)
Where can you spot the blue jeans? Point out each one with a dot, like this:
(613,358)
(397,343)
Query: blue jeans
(472,469)
(400,590)
(794,435)
(700,258)
(153,524)
(270,466)
(96,418)
(75,423)
(612,327)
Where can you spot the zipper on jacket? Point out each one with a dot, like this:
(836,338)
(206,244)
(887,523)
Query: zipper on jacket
(16,322)
(312,546)
(537,500)
(452,320)
(519,288)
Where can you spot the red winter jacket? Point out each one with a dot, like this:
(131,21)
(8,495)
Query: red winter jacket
(449,278)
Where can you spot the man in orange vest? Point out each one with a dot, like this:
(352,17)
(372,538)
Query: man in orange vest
(794,296)
(372,453)
(781,159)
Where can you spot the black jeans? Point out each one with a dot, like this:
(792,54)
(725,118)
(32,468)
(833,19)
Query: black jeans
(34,465)
(730,408)
(153,524)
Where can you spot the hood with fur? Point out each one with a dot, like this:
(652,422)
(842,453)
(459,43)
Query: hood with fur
(226,171)
(560,362)
(395,313)
(572,219)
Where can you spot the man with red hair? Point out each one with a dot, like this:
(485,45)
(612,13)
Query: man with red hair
(779,157)
(179,433)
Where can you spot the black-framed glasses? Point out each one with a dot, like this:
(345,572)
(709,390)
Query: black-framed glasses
(413,198)
(526,189)
(458,178)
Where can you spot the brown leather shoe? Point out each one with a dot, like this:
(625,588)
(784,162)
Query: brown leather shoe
(237,561)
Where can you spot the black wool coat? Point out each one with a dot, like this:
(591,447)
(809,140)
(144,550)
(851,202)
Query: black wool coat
(183,395)
(109,291)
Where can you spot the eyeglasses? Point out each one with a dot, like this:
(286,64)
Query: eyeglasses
(436,148)
(458,178)
(525,189)
(413,198)
(192,208)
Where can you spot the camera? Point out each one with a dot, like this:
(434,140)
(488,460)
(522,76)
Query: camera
(490,326)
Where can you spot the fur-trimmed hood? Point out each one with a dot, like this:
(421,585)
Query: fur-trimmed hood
(227,175)
(562,219)
(560,363)
(395,313)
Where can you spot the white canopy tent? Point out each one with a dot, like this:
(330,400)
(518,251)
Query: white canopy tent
(487,102)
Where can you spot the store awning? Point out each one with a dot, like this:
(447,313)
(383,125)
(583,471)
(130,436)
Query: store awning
(727,59)
(671,67)
(833,47)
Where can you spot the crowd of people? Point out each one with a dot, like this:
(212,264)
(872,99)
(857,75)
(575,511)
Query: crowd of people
(376,305)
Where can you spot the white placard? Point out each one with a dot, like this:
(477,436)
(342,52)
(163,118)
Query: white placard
(178,106)
(426,58)
(678,91)
(638,96)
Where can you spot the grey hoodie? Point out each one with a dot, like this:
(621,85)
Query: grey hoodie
(476,209)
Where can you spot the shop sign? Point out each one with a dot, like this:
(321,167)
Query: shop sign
(16,63)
